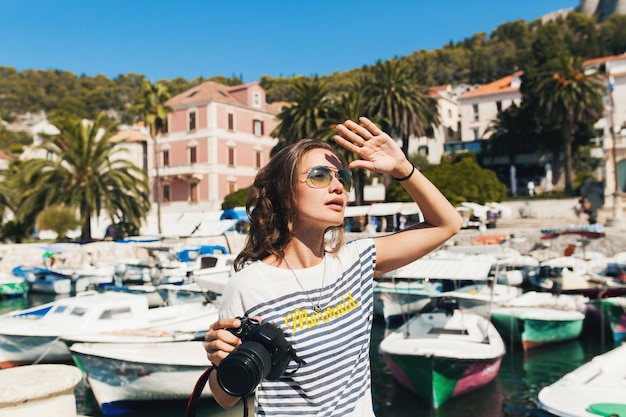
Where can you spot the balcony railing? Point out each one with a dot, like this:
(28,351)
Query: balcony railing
(180,171)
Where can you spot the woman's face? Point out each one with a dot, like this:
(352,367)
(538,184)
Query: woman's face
(319,204)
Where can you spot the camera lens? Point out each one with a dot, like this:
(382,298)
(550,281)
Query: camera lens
(241,371)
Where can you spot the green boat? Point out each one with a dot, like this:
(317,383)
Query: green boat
(614,309)
(11,287)
(440,355)
(537,319)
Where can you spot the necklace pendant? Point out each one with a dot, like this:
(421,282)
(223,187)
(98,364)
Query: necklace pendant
(317,308)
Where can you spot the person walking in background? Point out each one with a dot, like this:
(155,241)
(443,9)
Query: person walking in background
(531,188)
(297,272)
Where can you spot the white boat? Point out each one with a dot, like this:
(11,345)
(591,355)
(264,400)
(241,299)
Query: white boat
(596,388)
(396,299)
(408,290)
(213,272)
(122,374)
(443,354)
(49,281)
(537,318)
(189,292)
(188,278)
(35,335)
(149,291)
(478,296)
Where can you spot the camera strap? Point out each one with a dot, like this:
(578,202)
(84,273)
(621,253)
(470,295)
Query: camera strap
(194,399)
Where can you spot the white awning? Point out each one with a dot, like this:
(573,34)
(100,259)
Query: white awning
(356,211)
(444,269)
(385,209)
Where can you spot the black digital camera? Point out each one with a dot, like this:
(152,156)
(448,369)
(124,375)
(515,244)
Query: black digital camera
(263,353)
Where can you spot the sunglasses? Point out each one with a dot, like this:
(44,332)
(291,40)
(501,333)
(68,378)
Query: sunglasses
(321,176)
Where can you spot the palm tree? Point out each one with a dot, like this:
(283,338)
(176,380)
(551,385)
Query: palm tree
(84,170)
(507,133)
(399,103)
(569,97)
(152,109)
(306,116)
(349,105)
(6,200)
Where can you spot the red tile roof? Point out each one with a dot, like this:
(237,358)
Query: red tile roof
(600,60)
(498,86)
(434,90)
(5,156)
(203,93)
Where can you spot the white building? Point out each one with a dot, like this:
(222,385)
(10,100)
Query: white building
(479,107)
(613,140)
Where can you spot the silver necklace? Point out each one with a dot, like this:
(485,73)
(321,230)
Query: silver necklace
(316,306)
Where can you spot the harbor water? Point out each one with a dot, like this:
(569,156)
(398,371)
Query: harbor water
(513,393)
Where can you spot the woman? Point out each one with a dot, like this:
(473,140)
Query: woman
(297,272)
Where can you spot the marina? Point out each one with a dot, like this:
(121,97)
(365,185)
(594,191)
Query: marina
(514,391)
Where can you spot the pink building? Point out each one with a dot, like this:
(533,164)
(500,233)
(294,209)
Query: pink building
(217,139)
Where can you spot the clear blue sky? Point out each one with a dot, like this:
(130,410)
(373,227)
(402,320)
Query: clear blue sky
(246,38)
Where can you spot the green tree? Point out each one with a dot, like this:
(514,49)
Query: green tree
(58,218)
(613,34)
(152,110)
(236,199)
(507,134)
(7,199)
(349,105)
(399,103)
(462,179)
(86,171)
(395,191)
(570,97)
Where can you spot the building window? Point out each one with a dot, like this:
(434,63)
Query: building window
(231,156)
(193,192)
(499,106)
(231,187)
(257,127)
(166,158)
(166,193)
(192,120)
(258,160)
(256,100)
(193,154)
(423,150)
(475,108)
(476,135)
(231,122)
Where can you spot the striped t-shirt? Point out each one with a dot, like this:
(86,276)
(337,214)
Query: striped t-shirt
(334,343)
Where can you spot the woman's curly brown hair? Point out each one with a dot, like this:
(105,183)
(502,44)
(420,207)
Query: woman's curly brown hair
(271,205)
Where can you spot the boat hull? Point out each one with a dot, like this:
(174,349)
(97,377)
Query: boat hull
(614,309)
(538,327)
(17,350)
(11,288)
(597,384)
(123,375)
(441,379)
(40,334)
(441,356)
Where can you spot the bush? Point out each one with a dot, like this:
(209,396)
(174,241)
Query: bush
(60,219)
(462,179)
